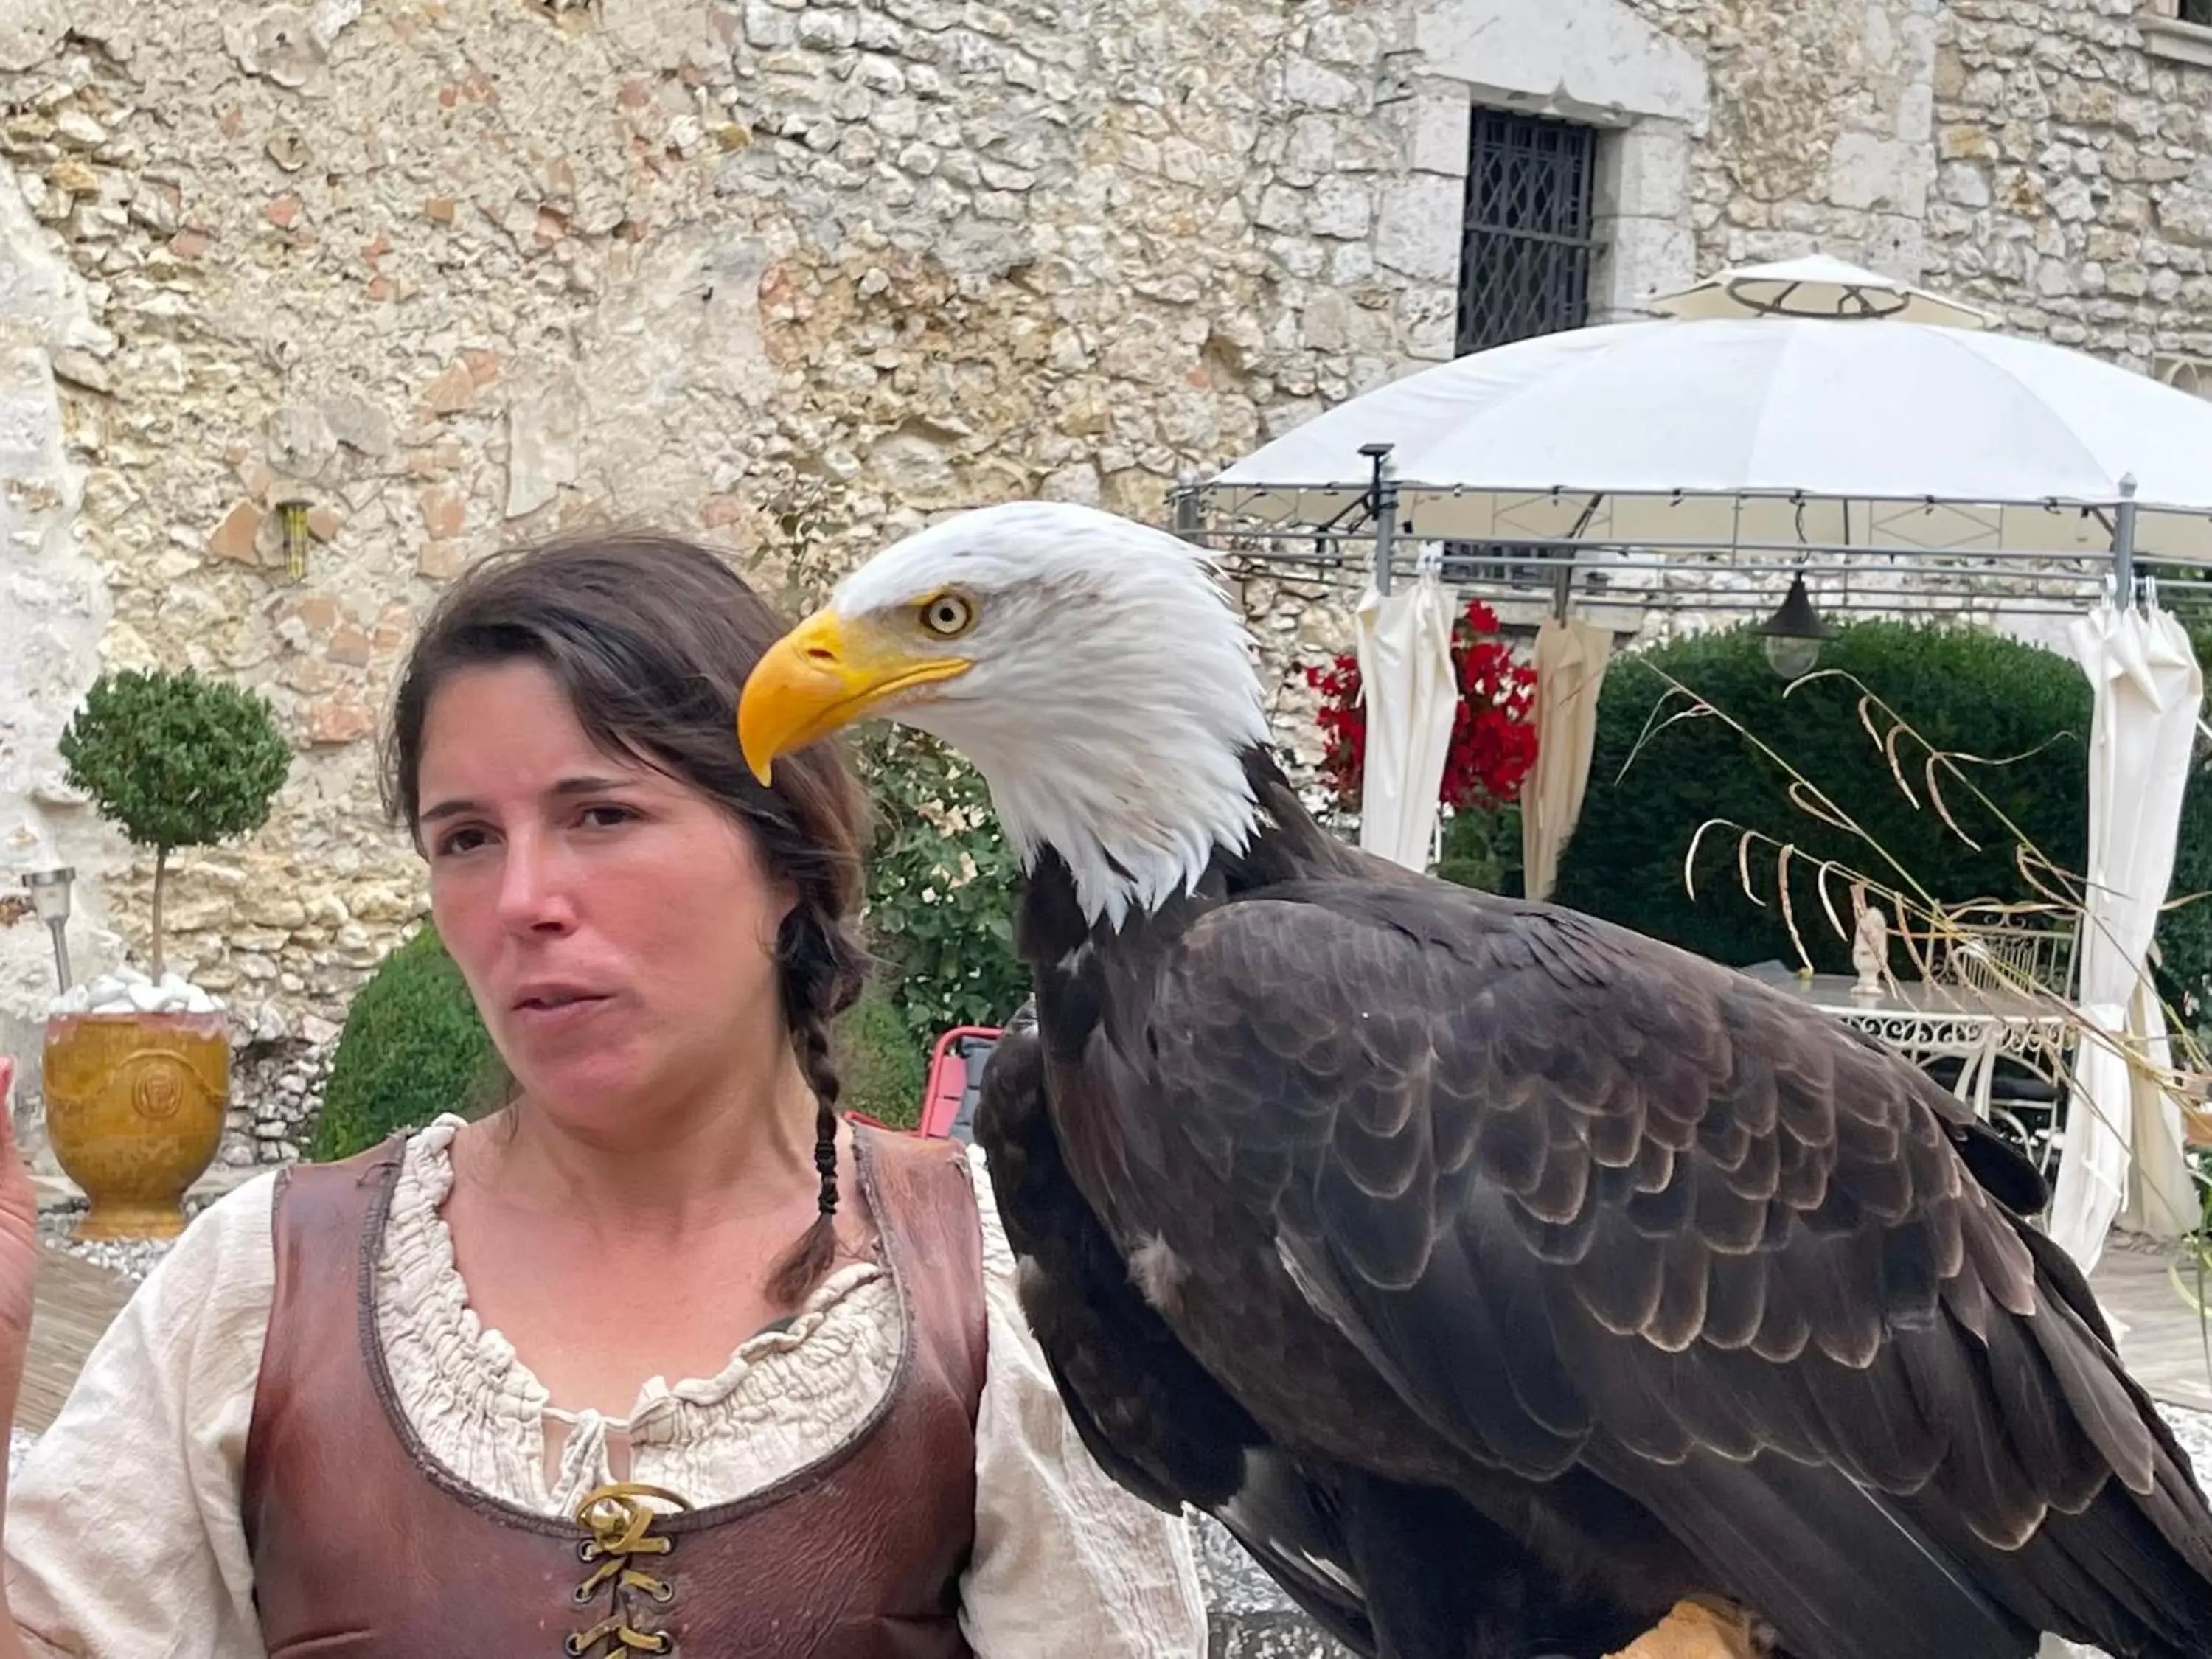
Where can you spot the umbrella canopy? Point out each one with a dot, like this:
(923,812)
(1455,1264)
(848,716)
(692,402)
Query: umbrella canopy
(2148,690)
(1725,432)
(1817,286)
(1411,699)
(1571,662)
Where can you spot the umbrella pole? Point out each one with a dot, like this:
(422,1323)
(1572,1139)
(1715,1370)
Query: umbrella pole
(2124,544)
(1188,512)
(1384,497)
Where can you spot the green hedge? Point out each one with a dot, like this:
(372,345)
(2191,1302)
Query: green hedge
(881,1068)
(1483,849)
(413,1047)
(1964,689)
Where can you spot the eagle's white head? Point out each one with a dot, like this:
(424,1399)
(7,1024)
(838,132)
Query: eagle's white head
(1088,666)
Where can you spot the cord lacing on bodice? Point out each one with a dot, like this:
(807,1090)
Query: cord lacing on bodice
(620,1523)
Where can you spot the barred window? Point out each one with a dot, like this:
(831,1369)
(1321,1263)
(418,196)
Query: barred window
(1527,245)
(1526,249)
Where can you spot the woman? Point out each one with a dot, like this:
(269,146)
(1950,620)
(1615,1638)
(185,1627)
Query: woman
(662,1356)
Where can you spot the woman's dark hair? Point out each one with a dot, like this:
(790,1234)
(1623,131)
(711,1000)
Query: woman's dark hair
(651,638)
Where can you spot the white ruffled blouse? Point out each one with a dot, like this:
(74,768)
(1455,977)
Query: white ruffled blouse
(123,1534)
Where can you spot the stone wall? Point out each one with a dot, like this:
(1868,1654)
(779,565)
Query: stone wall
(1817,138)
(787,277)
(2075,189)
(789,274)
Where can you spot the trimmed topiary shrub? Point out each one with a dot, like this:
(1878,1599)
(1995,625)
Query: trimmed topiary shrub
(1964,690)
(172,761)
(413,1047)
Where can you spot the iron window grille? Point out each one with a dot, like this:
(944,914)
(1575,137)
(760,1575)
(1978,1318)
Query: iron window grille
(1527,247)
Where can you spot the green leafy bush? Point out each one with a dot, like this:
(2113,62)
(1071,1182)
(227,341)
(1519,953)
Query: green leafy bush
(1964,690)
(174,760)
(940,886)
(413,1047)
(1483,849)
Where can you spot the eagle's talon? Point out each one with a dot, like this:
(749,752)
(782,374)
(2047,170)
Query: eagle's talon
(1701,1628)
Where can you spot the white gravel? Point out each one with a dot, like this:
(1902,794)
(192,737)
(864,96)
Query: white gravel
(132,1258)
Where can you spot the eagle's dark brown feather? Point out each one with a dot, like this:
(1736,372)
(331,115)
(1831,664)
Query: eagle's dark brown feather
(1669,1275)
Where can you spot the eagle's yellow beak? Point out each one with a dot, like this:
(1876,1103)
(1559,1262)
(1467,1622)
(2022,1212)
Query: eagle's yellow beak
(824,675)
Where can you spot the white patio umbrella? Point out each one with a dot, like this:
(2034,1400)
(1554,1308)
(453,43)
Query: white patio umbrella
(1412,698)
(2148,690)
(1727,431)
(1816,286)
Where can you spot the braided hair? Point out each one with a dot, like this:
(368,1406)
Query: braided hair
(650,638)
(819,961)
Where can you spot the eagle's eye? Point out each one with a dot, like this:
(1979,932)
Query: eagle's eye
(948,615)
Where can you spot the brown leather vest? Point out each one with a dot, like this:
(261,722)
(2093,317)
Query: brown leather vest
(363,1544)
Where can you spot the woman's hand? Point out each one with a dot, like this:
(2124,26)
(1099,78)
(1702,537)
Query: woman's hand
(20,1253)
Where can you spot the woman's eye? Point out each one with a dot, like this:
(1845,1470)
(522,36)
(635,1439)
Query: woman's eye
(947,616)
(605,816)
(460,840)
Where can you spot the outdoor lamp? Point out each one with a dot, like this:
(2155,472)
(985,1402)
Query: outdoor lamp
(1794,634)
(50,897)
(292,510)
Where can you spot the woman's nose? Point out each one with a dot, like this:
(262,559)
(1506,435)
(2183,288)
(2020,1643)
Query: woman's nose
(534,888)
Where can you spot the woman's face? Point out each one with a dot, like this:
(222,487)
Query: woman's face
(614,925)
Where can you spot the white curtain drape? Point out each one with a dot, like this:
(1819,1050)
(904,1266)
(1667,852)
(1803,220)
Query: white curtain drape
(2123,1135)
(1571,663)
(1412,696)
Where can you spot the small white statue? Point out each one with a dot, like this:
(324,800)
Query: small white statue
(1869,945)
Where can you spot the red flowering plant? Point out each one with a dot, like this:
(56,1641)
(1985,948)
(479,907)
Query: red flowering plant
(1493,740)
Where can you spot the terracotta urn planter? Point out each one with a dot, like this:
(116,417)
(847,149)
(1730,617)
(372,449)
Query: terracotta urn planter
(135,1105)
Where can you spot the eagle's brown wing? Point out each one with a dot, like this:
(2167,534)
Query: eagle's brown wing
(1585,1201)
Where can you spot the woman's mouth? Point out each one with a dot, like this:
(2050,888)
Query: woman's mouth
(557,1004)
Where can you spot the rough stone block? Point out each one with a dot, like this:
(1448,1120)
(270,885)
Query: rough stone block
(1965,183)
(1340,207)
(1416,233)
(1643,257)
(1644,171)
(1317,87)
(233,538)
(1868,172)
(768,26)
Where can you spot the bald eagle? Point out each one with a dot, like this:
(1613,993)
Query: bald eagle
(1509,1283)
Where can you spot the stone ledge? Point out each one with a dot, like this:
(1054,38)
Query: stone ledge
(2171,37)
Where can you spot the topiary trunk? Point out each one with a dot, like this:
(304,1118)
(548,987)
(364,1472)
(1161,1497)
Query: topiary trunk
(161,875)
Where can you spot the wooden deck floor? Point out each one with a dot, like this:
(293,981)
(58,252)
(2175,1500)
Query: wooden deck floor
(75,1301)
(2165,1345)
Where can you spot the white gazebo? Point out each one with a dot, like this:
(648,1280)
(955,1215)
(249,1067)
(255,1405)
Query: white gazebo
(1813,435)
